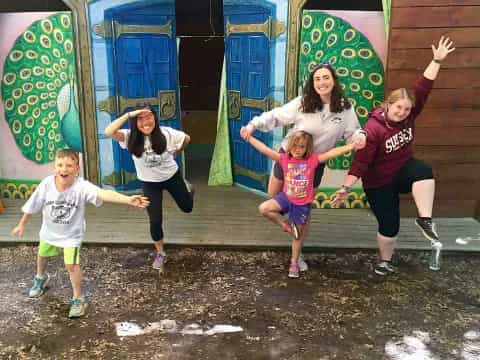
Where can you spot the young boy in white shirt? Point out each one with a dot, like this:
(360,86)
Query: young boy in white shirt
(62,198)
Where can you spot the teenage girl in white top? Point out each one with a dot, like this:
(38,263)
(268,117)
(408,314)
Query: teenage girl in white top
(153,149)
(323,111)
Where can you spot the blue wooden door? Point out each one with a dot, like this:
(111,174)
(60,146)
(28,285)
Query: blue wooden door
(146,70)
(247,48)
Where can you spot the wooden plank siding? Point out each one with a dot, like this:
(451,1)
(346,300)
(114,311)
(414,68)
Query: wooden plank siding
(436,16)
(448,130)
(429,3)
(466,58)
(447,79)
(404,38)
(449,118)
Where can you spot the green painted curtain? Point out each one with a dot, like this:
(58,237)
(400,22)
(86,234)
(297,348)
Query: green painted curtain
(387,5)
(221,166)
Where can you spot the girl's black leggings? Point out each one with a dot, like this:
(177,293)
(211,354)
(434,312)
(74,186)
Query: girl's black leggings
(154,191)
(385,201)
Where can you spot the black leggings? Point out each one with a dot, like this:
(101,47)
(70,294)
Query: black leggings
(154,191)
(385,201)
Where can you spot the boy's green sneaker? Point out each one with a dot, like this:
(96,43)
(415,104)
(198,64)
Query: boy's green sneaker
(77,307)
(39,285)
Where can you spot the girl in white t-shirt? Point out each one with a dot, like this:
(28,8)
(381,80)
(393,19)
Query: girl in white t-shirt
(153,149)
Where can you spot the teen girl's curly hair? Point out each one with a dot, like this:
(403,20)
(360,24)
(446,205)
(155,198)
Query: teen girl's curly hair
(312,102)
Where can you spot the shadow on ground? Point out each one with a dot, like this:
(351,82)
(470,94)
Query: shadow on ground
(339,309)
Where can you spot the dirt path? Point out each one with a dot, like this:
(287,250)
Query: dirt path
(339,309)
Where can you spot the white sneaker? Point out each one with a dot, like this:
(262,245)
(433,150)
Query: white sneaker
(159,261)
(39,285)
(302,265)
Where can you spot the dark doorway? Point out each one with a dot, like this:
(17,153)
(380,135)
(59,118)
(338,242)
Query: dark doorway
(366,5)
(200,59)
(33,5)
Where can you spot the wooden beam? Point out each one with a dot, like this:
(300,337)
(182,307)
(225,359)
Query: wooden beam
(447,78)
(452,98)
(469,136)
(448,154)
(417,3)
(441,208)
(417,59)
(448,118)
(460,173)
(433,16)
(460,190)
(423,38)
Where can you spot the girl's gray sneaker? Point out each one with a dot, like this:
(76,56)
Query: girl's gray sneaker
(384,268)
(159,261)
(39,285)
(302,264)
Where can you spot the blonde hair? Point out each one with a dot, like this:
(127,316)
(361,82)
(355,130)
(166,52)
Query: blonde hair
(398,94)
(63,153)
(298,136)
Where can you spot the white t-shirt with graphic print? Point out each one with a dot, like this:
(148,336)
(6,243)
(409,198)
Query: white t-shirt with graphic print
(155,167)
(63,213)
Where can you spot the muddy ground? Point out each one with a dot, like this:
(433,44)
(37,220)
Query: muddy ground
(339,309)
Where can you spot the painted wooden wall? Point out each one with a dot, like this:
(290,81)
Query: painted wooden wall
(448,130)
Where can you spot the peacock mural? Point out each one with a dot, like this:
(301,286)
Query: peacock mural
(38,89)
(328,38)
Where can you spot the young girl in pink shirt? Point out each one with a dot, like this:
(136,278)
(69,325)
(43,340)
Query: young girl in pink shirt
(298,163)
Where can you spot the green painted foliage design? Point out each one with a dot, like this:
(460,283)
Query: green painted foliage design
(37,87)
(327,38)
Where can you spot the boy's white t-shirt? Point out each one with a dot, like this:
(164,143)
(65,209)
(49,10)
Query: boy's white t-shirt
(63,213)
(151,166)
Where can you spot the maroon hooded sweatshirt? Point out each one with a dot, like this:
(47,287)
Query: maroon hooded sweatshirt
(389,144)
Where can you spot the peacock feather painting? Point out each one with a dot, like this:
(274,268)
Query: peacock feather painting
(38,89)
(328,38)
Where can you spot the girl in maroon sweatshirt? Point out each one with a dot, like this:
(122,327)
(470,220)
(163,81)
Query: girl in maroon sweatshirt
(387,166)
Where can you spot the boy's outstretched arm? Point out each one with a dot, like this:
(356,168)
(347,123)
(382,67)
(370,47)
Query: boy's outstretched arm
(139,201)
(336,152)
(20,228)
(260,146)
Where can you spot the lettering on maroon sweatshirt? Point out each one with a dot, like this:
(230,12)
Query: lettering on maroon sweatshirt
(398,140)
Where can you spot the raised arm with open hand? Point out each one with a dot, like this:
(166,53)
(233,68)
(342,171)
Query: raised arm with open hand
(445,47)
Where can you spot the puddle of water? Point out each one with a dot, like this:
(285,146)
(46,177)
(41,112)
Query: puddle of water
(411,347)
(471,345)
(466,240)
(127,328)
(415,347)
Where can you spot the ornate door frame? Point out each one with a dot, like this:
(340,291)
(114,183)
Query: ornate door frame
(294,19)
(86,102)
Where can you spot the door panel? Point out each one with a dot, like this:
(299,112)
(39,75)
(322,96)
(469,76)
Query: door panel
(145,67)
(248,64)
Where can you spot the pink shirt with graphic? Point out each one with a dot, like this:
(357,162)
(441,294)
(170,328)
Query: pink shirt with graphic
(298,178)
